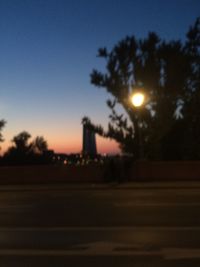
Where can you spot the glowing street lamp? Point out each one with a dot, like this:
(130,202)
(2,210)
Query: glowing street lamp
(137,100)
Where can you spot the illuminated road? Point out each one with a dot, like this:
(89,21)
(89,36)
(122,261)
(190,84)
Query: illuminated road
(134,225)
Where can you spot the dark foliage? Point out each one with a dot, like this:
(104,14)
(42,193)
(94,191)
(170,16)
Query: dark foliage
(24,152)
(2,124)
(169,73)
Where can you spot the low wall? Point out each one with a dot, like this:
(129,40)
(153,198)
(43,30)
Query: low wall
(166,170)
(50,174)
(138,171)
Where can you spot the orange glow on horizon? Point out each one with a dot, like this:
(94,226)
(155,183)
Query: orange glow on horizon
(73,144)
(103,146)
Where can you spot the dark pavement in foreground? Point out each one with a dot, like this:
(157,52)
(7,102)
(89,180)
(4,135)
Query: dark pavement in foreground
(128,225)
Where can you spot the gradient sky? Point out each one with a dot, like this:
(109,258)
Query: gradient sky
(48,49)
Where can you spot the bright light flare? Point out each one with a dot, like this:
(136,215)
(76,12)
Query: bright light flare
(137,99)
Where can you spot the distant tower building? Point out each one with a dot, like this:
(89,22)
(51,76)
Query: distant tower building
(89,142)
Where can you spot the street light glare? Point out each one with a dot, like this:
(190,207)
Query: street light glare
(137,99)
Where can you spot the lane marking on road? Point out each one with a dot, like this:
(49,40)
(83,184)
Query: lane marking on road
(195,187)
(106,249)
(176,253)
(16,206)
(161,204)
(103,229)
(74,252)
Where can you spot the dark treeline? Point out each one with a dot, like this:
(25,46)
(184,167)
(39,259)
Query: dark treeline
(167,127)
(26,152)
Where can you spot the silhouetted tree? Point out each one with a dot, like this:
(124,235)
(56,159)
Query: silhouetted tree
(19,153)
(185,133)
(39,145)
(191,110)
(169,74)
(25,152)
(2,124)
(21,141)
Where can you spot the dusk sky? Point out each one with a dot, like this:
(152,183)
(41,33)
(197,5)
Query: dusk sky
(48,50)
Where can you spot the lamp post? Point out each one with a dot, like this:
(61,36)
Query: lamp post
(137,100)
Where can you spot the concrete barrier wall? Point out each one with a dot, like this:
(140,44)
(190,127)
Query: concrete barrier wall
(164,170)
(139,171)
(50,174)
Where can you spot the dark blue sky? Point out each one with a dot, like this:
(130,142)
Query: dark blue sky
(48,50)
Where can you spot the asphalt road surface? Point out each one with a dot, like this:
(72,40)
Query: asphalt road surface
(146,225)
